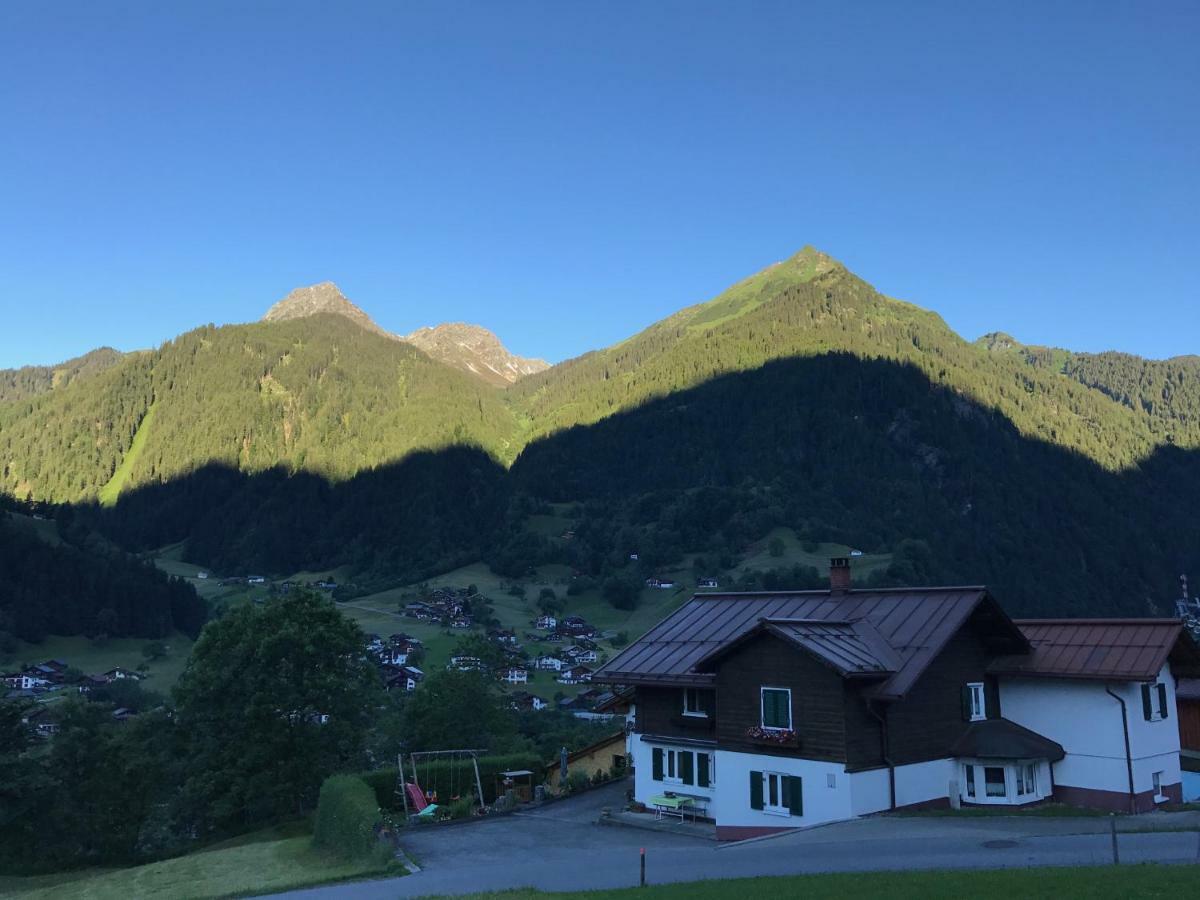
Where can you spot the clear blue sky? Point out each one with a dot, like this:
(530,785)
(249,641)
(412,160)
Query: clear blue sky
(566,173)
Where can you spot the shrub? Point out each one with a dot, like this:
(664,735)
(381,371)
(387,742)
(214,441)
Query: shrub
(346,817)
(577,781)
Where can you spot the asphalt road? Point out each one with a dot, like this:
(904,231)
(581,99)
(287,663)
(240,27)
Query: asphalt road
(561,849)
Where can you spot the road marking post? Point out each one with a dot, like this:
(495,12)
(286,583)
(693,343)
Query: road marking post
(1112,823)
(643,880)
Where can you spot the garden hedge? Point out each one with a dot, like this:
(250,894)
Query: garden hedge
(347,814)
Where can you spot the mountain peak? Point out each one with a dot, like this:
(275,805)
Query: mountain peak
(320,298)
(476,350)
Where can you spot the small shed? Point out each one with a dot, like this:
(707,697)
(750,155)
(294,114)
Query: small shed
(519,781)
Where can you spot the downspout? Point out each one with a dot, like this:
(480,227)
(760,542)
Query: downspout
(1128,753)
(883,747)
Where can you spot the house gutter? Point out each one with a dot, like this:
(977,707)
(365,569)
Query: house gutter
(883,747)
(1128,753)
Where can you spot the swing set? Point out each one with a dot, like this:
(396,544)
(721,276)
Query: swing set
(423,798)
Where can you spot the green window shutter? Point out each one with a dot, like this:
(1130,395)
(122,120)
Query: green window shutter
(657,766)
(756,790)
(795,794)
(1162,700)
(1147,711)
(686,768)
(702,777)
(966,703)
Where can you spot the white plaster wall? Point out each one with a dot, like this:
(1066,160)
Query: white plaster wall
(869,792)
(731,804)
(921,782)
(644,785)
(1082,717)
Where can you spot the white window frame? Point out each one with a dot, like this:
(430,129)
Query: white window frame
(762,709)
(694,711)
(780,808)
(671,766)
(1021,782)
(978,701)
(712,768)
(1159,796)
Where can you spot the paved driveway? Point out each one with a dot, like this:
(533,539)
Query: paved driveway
(561,849)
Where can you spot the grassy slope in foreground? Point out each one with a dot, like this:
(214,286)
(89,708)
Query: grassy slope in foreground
(1093,882)
(277,859)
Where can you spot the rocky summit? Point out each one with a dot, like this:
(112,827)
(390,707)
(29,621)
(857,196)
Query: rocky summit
(476,350)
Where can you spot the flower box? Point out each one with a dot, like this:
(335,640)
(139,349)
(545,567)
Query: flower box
(772,736)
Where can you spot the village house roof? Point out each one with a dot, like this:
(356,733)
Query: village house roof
(850,648)
(1188,689)
(1002,739)
(914,623)
(1115,649)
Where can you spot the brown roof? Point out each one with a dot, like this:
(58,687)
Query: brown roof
(850,648)
(1002,739)
(915,623)
(1120,649)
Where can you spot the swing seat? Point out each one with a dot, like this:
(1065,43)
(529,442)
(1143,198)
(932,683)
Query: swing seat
(428,811)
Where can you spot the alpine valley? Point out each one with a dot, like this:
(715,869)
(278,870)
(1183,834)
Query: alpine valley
(799,409)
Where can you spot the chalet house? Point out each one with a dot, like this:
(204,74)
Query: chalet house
(575,675)
(710,583)
(465,664)
(119,674)
(516,675)
(580,654)
(523,701)
(549,663)
(787,709)
(1187,697)
(461,622)
(546,623)
(403,678)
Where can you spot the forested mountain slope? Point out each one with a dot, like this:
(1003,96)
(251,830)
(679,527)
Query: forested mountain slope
(28,381)
(811,304)
(319,394)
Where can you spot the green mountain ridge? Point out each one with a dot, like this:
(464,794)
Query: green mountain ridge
(316,389)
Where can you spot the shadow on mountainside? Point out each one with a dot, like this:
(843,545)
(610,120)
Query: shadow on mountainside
(869,452)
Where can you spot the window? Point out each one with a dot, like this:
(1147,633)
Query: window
(697,702)
(974,702)
(1154,701)
(993,781)
(682,767)
(831,780)
(776,793)
(777,708)
(970,780)
(1026,779)
(1159,797)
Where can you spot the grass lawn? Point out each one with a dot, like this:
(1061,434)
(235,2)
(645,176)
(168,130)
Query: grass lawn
(110,491)
(760,559)
(1093,882)
(46,529)
(80,652)
(277,859)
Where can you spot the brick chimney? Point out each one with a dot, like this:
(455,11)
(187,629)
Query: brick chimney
(839,575)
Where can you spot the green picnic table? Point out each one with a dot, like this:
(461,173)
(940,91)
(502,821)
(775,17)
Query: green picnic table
(672,806)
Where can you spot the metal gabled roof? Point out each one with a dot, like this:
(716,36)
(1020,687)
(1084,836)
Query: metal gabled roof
(1117,649)
(915,623)
(849,648)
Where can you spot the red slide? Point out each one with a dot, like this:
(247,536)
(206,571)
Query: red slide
(415,797)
